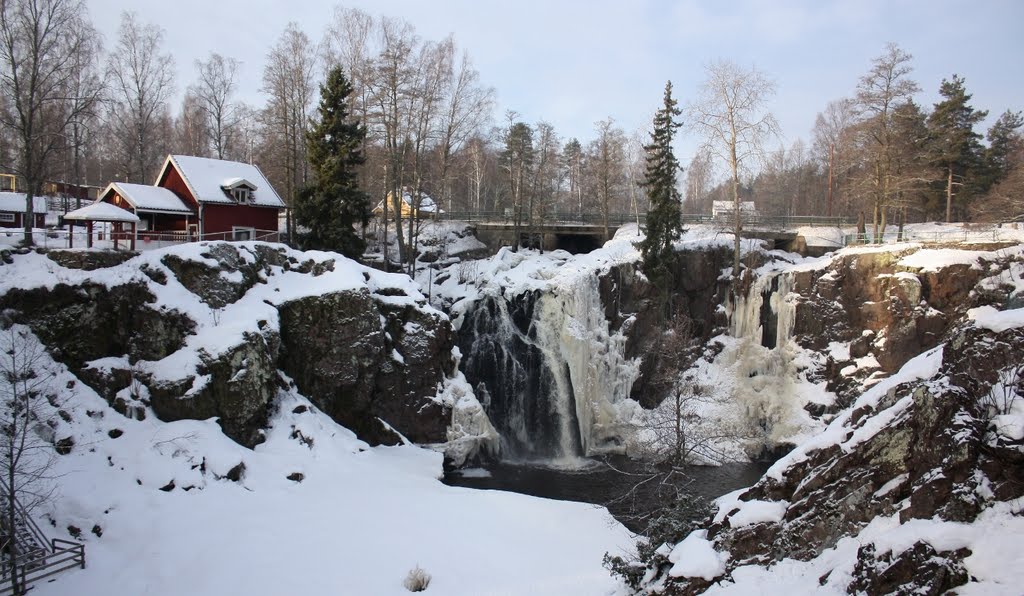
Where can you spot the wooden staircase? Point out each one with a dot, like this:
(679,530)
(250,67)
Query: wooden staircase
(26,553)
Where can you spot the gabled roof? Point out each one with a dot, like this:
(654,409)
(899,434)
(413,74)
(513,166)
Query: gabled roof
(100,211)
(154,199)
(206,179)
(236,182)
(15,202)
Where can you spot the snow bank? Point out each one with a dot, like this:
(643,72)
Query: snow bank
(695,557)
(313,510)
(988,317)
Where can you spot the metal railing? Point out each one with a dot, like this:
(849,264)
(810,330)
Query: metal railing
(61,555)
(619,219)
(549,219)
(34,557)
(944,237)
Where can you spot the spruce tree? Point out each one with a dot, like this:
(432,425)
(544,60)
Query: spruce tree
(1003,139)
(664,222)
(955,147)
(329,208)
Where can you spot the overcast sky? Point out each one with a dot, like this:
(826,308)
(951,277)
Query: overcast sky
(574,62)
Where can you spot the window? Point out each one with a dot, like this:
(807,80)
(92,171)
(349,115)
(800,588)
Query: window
(241,194)
(7,217)
(238,234)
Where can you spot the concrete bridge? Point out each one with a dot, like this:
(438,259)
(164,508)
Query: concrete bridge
(583,233)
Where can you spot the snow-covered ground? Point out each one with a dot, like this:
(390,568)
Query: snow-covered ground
(159,516)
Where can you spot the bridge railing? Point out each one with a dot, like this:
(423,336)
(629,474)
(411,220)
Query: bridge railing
(943,237)
(619,219)
(587,219)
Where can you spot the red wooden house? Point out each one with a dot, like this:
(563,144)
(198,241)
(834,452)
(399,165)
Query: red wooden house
(202,198)
(12,210)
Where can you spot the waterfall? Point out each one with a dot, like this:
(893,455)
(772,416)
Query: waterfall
(766,315)
(551,376)
(764,360)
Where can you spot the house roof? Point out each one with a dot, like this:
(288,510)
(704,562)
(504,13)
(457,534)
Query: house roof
(148,198)
(206,178)
(15,202)
(100,211)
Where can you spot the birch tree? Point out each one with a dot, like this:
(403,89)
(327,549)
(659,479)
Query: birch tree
(731,115)
(289,82)
(886,85)
(217,79)
(142,80)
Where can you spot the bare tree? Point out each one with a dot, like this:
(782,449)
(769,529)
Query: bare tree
(288,80)
(467,107)
(731,116)
(699,175)
(215,88)
(546,178)
(44,47)
(886,85)
(191,135)
(833,146)
(26,457)
(142,77)
(605,162)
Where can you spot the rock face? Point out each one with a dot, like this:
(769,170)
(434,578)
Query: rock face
(921,451)
(369,352)
(239,388)
(631,306)
(90,321)
(904,310)
(362,372)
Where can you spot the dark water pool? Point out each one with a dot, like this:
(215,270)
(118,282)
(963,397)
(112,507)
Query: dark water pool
(603,483)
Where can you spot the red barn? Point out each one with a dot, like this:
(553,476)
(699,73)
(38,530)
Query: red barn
(12,210)
(203,198)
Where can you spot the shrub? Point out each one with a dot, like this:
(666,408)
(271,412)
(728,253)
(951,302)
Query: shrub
(417,580)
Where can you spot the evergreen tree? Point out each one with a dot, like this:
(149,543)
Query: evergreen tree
(330,207)
(664,223)
(955,147)
(517,160)
(1003,139)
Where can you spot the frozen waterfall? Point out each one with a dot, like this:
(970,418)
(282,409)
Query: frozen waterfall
(551,375)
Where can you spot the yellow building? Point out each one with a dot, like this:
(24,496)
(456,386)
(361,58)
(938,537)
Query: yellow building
(427,206)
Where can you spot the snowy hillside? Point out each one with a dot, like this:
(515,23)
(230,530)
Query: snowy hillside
(312,510)
(153,362)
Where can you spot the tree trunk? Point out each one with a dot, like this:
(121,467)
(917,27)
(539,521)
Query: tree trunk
(949,193)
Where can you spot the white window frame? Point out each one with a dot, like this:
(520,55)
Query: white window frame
(235,230)
(7,217)
(241,194)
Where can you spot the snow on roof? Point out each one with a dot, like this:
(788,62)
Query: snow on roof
(15,202)
(149,198)
(236,182)
(206,178)
(100,211)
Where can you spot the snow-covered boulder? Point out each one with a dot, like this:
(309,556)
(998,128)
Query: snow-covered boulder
(212,329)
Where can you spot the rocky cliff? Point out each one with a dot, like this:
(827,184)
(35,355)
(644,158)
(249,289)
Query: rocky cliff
(917,479)
(214,329)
